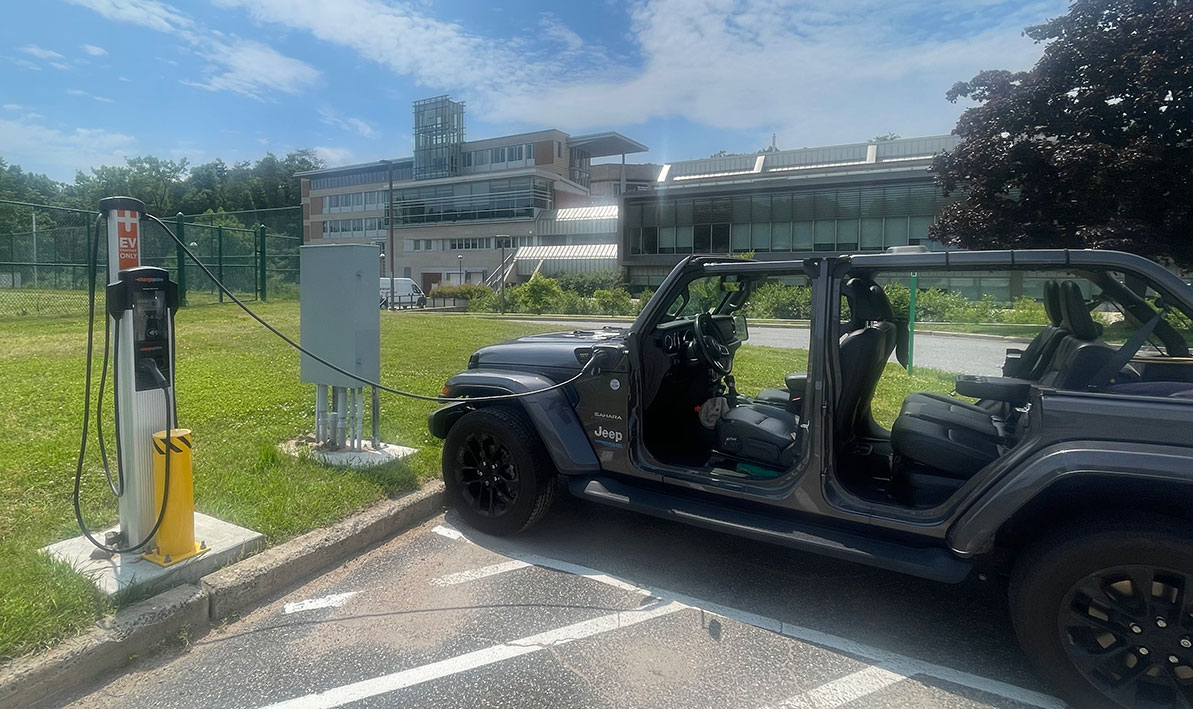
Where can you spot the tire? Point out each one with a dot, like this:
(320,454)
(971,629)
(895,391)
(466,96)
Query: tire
(510,497)
(1073,592)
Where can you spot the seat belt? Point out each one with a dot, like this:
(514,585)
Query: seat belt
(1122,356)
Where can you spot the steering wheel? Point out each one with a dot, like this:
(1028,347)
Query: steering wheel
(709,347)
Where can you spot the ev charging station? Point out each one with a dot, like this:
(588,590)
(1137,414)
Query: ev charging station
(160,539)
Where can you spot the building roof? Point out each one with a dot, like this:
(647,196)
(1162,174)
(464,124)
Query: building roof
(604,211)
(570,258)
(607,143)
(881,156)
(577,220)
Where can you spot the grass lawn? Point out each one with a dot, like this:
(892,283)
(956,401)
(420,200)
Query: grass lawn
(238,389)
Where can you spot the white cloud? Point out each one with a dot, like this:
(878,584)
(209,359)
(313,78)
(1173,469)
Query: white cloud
(35,51)
(246,67)
(60,153)
(12,107)
(60,66)
(335,156)
(94,50)
(355,125)
(85,94)
(24,63)
(816,71)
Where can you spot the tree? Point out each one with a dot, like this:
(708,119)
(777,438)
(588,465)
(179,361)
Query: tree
(1093,147)
(539,293)
(614,301)
(885,138)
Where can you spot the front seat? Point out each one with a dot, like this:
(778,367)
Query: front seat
(863,354)
(763,434)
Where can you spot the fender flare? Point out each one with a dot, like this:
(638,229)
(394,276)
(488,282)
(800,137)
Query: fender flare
(551,413)
(974,530)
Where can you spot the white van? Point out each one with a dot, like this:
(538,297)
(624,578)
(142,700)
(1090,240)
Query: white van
(406,293)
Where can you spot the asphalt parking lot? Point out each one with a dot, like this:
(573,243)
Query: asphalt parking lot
(597,607)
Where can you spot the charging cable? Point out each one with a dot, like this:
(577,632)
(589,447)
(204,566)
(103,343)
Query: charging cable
(341,370)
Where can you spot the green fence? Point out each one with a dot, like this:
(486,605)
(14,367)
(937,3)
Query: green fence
(45,252)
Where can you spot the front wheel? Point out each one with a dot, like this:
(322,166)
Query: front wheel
(1105,613)
(497,474)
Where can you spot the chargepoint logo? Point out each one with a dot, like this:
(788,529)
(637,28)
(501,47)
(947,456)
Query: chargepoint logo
(608,438)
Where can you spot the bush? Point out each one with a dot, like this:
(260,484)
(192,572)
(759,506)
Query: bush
(776,300)
(464,291)
(571,303)
(1024,311)
(644,298)
(586,284)
(613,302)
(539,294)
(488,303)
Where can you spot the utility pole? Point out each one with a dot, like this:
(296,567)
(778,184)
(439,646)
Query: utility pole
(391,255)
(501,239)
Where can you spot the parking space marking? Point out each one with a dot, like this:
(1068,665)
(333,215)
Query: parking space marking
(482,572)
(844,690)
(878,656)
(335,600)
(384,684)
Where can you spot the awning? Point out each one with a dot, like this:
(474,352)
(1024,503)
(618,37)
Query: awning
(571,258)
(604,144)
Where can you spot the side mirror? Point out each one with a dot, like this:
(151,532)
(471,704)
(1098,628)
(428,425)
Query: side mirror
(742,330)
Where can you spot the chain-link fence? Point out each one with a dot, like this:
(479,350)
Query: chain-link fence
(45,252)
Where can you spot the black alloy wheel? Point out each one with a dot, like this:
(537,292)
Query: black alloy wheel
(496,473)
(1129,632)
(487,475)
(1104,612)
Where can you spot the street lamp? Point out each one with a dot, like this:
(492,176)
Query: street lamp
(501,241)
(460,262)
(389,225)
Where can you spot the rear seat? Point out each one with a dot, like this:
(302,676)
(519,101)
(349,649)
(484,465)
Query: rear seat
(957,438)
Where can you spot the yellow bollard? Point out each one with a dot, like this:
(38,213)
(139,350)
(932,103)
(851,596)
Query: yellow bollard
(175,538)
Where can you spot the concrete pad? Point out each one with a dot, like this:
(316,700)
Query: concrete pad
(366,457)
(227,543)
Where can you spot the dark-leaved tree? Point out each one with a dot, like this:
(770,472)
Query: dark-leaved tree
(1093,147)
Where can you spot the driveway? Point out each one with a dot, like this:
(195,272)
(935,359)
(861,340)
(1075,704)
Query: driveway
(598,607)
(968,355)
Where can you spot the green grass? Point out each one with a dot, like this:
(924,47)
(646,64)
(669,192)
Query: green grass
(238,389)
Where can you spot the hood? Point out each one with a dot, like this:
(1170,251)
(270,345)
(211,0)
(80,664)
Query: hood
(549,353)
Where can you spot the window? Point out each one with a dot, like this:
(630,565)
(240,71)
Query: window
(468,159)
(482,157)
(416,243)
(426,244)
(515,152)
(530,151)
(558,149)
(497,155)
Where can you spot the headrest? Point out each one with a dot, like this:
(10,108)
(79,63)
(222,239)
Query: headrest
(1052,303)
(1076,318)
(880,304)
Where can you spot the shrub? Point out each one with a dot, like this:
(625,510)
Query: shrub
(776,300)
(586,284)
(539,294)
(1024,311)
(464,291)
(572,303)
(488,303)
(644,298)
(613,302)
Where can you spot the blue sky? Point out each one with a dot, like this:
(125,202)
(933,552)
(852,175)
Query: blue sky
(90,82)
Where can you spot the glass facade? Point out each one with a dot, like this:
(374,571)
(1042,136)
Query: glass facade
(510,198)
(579,166)
(438,135)
(868,218)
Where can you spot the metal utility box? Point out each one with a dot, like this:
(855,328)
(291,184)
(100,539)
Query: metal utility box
(341,320)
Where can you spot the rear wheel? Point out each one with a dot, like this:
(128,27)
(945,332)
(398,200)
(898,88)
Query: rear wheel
(497,474)
(1105,613)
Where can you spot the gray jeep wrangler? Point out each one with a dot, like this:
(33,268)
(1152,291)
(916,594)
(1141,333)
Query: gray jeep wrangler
(1071,474)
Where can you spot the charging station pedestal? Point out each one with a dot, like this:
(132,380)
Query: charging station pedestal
(141,301)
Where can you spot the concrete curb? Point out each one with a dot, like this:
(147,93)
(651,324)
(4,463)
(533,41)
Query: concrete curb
(193,609)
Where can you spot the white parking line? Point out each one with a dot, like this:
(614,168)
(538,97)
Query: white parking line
(844,690)
(333,601)
(885,658)
(469,661)
(482,572)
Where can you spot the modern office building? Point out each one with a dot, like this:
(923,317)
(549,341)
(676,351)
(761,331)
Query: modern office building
(453,198)
(779,205)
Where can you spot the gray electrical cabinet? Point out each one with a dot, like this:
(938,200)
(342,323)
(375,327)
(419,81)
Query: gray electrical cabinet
(341,320)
